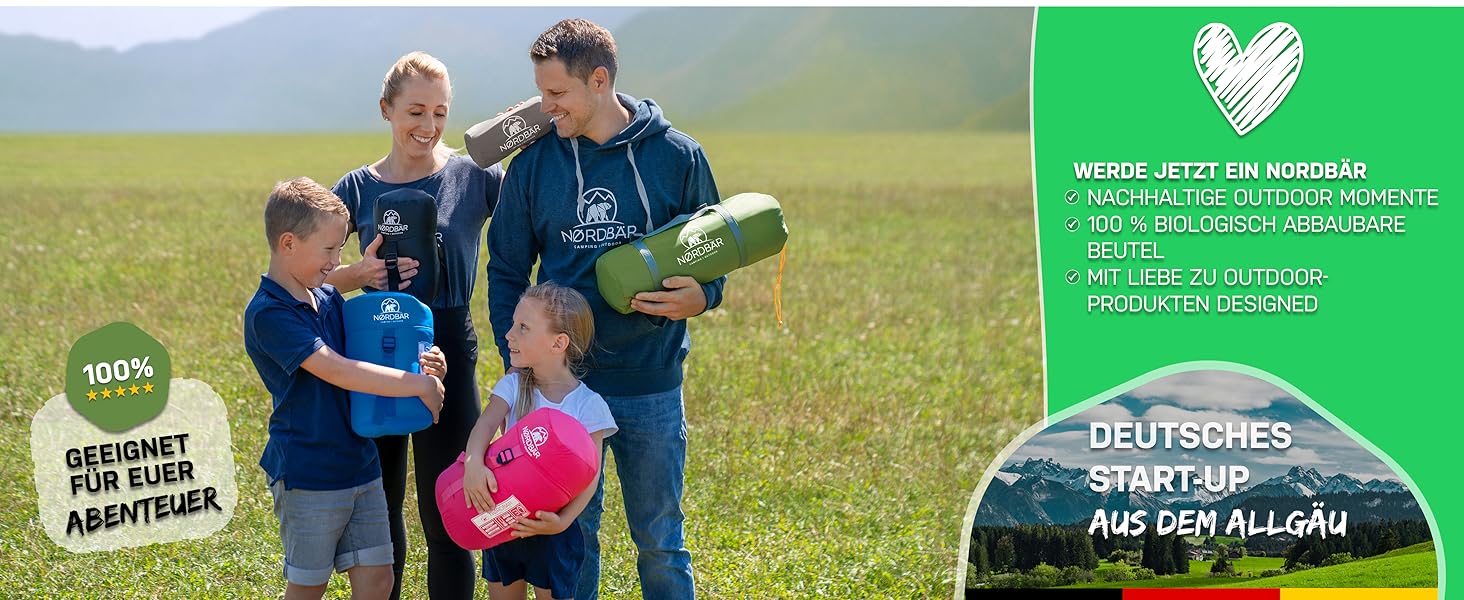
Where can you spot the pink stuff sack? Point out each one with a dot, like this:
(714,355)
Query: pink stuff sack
(541,463)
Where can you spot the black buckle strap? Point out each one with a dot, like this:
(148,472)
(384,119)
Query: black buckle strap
(393,275)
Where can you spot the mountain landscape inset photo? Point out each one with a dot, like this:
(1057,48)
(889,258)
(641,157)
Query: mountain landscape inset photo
(1198,479)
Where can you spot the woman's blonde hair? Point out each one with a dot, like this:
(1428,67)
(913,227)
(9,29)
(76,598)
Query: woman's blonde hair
(569,313)
(416,64)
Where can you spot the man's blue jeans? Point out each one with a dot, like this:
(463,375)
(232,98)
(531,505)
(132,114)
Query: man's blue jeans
(650,457)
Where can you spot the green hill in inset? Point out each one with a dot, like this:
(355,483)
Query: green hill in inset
(1413,567)
(1414,549)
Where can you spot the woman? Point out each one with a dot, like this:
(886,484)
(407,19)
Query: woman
(415,95)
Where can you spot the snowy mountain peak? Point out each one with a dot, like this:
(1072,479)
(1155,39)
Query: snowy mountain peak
(1300,481)
(1385,486)
(1341,483)
(1050,470)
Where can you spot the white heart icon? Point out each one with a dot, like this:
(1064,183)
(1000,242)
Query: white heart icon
(1248,84)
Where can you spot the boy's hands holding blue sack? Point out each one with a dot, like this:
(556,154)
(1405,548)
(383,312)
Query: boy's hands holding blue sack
(371,271)
(431,394)
(683,299)
(478,483)
(434,363)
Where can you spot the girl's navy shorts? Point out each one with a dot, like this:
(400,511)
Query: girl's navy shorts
(551,562)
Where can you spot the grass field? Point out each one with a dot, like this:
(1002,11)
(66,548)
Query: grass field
(831,459)
(1414,566)
(1199,575)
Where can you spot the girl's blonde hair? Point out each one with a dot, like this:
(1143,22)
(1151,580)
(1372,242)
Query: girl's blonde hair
(569,313)
(416,64)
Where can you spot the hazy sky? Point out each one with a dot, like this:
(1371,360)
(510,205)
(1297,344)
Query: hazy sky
(120,27)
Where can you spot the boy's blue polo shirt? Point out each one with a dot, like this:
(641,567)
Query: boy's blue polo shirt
(311,445)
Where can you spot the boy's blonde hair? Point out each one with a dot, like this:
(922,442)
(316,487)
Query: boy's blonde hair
(416,64)
(569,313)
(296,206)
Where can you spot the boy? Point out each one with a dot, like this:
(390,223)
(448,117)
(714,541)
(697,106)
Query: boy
(325,479)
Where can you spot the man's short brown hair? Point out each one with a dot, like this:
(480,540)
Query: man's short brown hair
(580,44)
(296,206)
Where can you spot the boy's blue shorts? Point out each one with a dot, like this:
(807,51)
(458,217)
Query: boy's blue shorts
(551,562)
(325,530)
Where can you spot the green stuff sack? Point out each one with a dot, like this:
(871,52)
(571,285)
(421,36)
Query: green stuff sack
(708,244)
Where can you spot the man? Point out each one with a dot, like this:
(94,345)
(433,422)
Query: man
(615,171)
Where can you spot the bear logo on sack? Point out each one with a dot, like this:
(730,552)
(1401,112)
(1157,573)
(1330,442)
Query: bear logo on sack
(692,236)
(533,438)
(513,125)
(391,223)
(391,311)
(697,245)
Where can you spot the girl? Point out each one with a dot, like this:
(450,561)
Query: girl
(551,333)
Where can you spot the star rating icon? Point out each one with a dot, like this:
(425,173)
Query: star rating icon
(120,391)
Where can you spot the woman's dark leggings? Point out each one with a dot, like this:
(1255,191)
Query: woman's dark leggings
(450,572)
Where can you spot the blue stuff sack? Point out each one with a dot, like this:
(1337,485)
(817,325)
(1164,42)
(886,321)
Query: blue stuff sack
(391,329)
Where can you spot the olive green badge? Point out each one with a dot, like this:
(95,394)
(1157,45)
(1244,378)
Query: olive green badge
(117,377)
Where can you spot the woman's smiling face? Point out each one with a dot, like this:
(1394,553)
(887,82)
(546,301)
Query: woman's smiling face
(418,115)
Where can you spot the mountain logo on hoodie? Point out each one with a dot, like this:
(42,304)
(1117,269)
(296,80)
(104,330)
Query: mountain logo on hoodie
(597,206)
(598,211)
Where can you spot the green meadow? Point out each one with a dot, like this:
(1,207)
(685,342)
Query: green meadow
(1413,567)
(831,458)
(1198,576)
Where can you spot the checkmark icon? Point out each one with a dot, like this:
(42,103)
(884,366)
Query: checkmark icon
(1072,223)
(1072,196)
(1073,276)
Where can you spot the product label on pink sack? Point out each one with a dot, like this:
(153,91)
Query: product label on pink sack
(503,516)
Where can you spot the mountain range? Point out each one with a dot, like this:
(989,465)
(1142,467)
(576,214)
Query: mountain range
(1042,491)
(320,69)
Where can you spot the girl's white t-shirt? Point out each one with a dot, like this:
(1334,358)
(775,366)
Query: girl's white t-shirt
(583,404)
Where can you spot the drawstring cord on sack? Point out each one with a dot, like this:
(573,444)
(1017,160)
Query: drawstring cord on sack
(778,285)
(640,187)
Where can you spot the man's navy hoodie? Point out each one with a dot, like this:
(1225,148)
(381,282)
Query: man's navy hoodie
(567,201)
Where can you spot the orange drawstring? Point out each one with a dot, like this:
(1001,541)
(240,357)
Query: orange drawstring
(778,286)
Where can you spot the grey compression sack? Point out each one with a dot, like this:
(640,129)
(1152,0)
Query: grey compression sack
(493,140)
